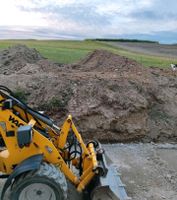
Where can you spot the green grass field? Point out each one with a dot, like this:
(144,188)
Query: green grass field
(71,51)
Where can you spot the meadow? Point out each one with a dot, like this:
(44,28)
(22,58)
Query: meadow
(68,51)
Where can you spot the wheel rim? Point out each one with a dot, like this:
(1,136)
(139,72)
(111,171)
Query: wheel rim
(37,191)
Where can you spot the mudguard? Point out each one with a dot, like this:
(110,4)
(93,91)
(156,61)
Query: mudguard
(31,163)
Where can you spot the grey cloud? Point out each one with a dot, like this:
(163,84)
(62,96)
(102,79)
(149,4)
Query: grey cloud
(153,15)
(7,32)
(84,20)
(148,15)
(159,10)
(79,13)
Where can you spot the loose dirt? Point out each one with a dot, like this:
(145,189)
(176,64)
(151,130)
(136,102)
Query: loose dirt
(148,170)
(112,98)
(15,58)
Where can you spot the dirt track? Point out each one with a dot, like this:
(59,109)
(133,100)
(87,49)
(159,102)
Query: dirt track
(148,48)
(148,170)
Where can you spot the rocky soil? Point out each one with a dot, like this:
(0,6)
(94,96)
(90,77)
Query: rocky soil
(147,170)
(112,98)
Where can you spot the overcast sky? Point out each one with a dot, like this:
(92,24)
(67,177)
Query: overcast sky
(79,19)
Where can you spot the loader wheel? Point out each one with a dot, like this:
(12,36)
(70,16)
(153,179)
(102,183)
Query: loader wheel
(47,183)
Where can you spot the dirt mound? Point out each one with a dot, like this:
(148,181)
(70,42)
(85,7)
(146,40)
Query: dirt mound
(111,98)
(103,60)
(14,58)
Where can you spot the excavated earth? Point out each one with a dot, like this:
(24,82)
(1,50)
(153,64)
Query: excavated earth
(112,98)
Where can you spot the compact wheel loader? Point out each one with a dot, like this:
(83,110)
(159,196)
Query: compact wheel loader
(39,159)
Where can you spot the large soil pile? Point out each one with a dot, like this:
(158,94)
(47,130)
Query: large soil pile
(14,58)
(111,98)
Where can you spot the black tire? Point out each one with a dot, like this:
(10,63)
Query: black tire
(46,183)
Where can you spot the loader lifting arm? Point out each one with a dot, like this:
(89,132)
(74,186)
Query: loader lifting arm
(25,133)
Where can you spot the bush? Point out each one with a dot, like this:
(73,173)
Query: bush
(21,94)
(55,103)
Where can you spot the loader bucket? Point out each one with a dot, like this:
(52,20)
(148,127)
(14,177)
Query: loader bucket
(110,187)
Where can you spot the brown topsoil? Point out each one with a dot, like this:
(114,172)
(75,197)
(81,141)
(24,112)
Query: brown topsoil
(112,98)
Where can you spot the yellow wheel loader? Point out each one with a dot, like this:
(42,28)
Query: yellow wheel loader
(39,159)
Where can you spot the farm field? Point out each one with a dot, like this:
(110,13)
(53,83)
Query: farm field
(71,51)
(166,50)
